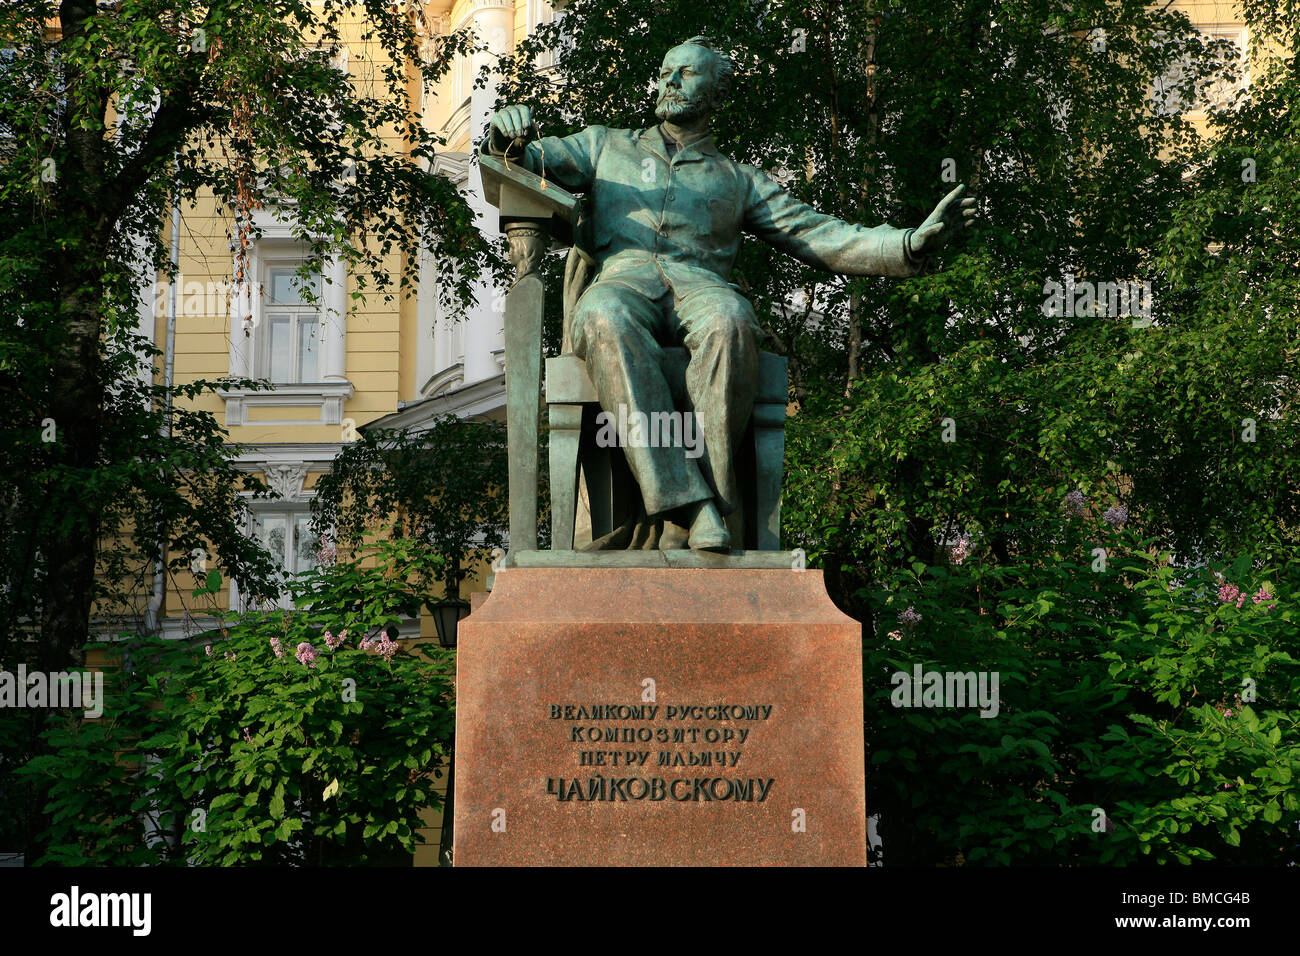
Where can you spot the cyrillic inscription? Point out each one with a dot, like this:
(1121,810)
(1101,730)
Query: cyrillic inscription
(699,735)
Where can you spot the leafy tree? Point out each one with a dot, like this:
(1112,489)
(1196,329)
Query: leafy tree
(109,114)
(963,445)
(444,485)
(182,480)
(303,738)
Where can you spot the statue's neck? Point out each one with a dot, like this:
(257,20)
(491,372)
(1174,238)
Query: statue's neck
(685,135)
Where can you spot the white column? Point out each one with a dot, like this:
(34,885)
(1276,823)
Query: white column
(426,314)
(483,329)
(146,301)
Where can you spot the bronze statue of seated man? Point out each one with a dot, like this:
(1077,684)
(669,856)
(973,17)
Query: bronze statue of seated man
(667,212)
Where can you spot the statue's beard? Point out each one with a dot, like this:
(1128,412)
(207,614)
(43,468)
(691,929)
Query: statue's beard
(680,109)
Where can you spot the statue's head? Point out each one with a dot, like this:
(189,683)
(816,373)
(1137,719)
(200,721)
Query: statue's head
(694,81)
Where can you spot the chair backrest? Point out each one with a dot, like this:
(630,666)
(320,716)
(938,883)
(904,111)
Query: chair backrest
(577,276)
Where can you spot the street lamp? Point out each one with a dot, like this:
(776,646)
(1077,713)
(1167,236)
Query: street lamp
(447,615)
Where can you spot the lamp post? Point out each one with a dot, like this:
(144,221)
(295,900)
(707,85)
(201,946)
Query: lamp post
(447,615)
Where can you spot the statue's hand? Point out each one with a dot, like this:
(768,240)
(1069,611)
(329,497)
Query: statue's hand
(949,218)
(512,127)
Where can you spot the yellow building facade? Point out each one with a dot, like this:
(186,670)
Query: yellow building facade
(335,365)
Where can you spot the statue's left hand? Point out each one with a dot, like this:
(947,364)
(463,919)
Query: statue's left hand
(949,218)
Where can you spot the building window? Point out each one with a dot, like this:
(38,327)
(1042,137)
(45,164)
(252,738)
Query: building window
(288,328)
(287,536)
(289,350)
(1170,95)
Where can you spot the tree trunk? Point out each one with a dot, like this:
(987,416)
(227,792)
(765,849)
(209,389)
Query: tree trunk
(69,548)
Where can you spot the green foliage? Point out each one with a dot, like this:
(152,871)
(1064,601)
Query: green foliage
(444,485)
(954,407)
(110,115)
(94,774)
(236,754)
(1128,690)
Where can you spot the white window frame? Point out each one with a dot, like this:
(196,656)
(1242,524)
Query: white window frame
(1217,93)
(285,474)
(291,511)
(333,388)
(263,360)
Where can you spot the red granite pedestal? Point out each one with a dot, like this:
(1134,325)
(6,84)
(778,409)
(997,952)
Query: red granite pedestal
(659,716)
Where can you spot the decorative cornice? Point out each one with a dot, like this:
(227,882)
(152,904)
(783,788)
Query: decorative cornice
(317,456)
(453,376)
(482,399)
(466,9)
(455,166)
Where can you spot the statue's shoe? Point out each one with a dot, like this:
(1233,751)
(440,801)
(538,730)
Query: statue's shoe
(674,537)
(708,533)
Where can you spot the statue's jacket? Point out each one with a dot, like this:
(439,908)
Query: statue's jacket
(652,220)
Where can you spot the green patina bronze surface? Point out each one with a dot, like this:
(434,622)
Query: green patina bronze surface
(664,213)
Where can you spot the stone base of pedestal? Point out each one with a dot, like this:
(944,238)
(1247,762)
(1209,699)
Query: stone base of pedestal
(652,716)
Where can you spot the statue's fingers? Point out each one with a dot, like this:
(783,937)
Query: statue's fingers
(952,196)
(926,233)
(516,122)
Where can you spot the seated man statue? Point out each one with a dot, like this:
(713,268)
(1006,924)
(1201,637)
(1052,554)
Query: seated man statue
(666,214)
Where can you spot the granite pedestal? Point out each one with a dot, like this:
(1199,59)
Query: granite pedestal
(659,716)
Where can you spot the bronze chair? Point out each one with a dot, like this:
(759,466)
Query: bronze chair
(610,490)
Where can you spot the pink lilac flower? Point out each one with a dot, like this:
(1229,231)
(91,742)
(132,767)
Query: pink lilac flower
(1231,594)
(306,654)
(327,552)
(1262,595)
(367,643)
(333,642)
(387,648)
(1115,516)
(231,655)
(247,737)
(208,648)
(276,647)
(895,635)
(1228,712)
(1075,501)
(961,550)
(909,617)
